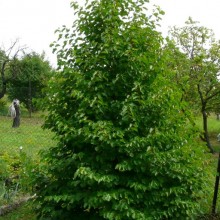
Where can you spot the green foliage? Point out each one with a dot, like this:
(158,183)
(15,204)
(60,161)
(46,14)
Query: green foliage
(15,170)
(3,103)
(8,58)
(125,150)
(33,73)
(198,77)
(201,65)
(18,165)
(22,212)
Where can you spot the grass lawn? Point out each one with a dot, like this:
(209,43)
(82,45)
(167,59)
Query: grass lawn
(32,138)
(29,135)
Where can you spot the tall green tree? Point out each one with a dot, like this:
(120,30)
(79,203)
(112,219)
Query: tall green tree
(34,72)
(123,148)
(199,76)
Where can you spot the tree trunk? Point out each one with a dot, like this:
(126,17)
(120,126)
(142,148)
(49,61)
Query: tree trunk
(205,120)
(205,131)
(3,80)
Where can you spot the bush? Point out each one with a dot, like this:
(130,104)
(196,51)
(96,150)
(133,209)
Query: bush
(125,148)
(15,176)
(3,106)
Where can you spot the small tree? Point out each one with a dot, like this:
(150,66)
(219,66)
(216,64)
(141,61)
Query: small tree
(124,150)
(34,73)
(8,58)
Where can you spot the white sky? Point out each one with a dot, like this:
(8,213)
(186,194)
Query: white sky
(34,21)
(207,12)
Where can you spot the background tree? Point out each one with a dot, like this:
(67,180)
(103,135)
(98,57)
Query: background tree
(179,63)
(200,77)
(7,57)
(123,148)
(34,73)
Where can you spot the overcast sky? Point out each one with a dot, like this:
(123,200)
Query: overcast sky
(33,22)
(207,12)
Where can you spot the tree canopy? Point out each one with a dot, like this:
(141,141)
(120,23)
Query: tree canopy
(123,148)
(198,73)
(8,57)
(33,73)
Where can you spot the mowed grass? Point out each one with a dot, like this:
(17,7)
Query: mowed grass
(30,136)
